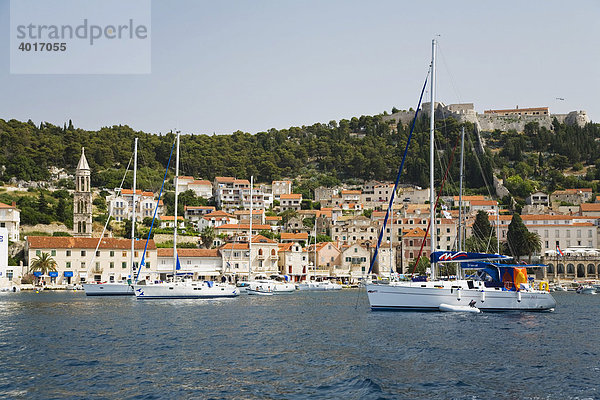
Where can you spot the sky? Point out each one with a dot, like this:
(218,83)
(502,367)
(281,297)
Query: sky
(252,65)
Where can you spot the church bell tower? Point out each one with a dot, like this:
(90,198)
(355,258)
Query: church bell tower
(82,199)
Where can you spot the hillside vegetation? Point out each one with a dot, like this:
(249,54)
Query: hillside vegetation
(321,154)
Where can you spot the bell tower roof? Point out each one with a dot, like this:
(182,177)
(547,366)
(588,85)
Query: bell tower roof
(83,164)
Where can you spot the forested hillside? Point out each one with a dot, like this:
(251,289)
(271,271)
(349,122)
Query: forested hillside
(358,149)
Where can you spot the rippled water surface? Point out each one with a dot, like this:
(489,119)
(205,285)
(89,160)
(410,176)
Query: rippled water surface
(326,345)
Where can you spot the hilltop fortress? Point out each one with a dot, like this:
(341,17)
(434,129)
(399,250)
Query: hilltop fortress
(490,120)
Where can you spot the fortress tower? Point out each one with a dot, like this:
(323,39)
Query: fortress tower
(82,199)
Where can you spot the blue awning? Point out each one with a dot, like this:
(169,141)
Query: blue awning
(53,274)
(68,274)
(37,273)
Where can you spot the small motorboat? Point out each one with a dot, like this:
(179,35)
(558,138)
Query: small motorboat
(586,290)
(454,308)
(260,290)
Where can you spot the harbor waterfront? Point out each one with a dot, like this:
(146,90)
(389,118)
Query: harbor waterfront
(327,344)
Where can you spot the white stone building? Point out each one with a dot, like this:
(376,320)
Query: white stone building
(76,261)
(264,258)
(290,202)
(293,261)
(10,218)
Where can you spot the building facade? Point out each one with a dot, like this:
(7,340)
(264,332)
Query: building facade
(77,260)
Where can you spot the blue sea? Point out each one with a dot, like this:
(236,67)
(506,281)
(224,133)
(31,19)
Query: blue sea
(318,345)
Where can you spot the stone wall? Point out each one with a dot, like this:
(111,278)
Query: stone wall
(489,122)
(164,237)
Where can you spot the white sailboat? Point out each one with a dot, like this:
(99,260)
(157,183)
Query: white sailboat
(183,289)
(118,288)
(494,292)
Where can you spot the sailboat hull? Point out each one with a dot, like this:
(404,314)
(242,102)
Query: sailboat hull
(416,296)
(107,289)
(180,290)
(274,286)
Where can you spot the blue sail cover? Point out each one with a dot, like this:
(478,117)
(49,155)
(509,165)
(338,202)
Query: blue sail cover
(463,256)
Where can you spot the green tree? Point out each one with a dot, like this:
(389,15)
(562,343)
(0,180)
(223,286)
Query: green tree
(42,204)
(43,263)
(421,267)
(127,229)
(482,229)
(207,236)
(516,237)
(532,244)
(61,210)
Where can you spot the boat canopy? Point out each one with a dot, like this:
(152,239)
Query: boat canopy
(464,257)
(486,264)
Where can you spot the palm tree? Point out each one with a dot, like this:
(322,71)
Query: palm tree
(532,243)
(43,263)
(208,236)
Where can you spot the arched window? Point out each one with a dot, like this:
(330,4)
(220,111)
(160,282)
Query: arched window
(560,269)
(550,268)
(570,268)
(260,252)
(580,270)
(591,269)
(272,252)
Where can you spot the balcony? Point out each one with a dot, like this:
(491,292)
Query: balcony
(97,270)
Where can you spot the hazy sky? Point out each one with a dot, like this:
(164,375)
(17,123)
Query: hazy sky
(221,66)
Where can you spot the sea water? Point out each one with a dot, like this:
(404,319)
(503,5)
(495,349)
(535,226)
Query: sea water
(321,345)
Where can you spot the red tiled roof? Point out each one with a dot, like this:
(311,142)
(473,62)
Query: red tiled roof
(170,218)
(321,245)
(235,246)
(294,236)
(285,246)
(484,203)
(258,227)
(200,182)
(199,208)
(247,212)
(137,192)
(227,179)
(218,213)
(184,252)
(291,196)
(48,242)
(590,207)
(469,198)
(415,232)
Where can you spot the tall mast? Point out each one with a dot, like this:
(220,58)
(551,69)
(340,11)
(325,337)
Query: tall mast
(431,157)
(315,266)
(498,227)
(135,144)
(460,190)
(175,217)
(391,240)
(250,234)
